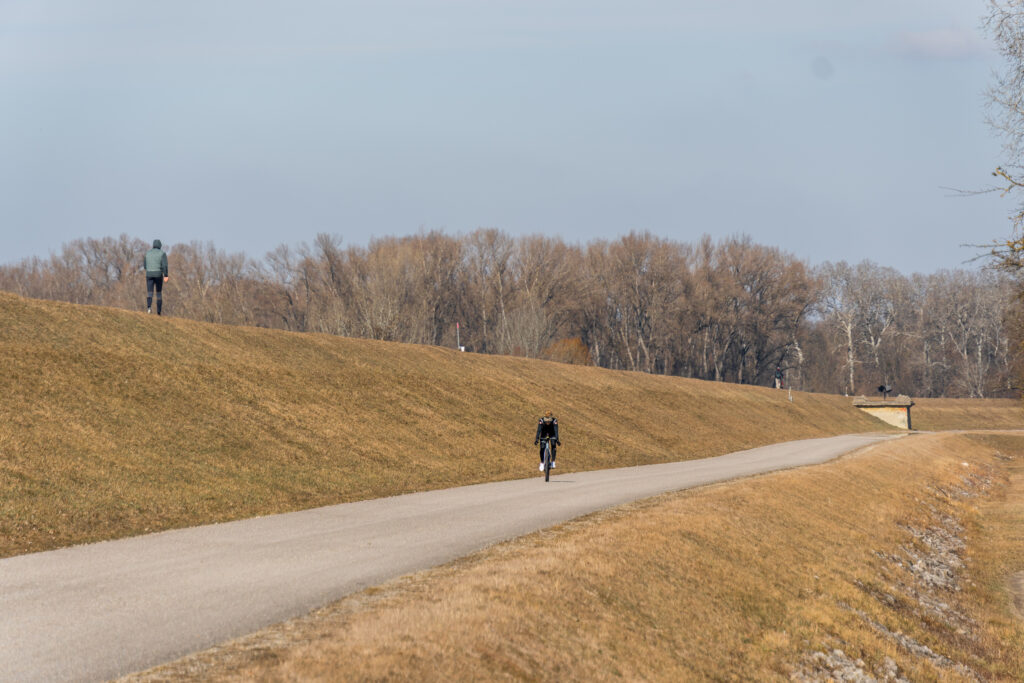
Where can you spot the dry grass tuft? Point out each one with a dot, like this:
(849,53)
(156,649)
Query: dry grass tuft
(786,575)
(118,423)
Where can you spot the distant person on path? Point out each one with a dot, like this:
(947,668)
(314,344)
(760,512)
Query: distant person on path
(155,265)
(547,427)
(778,377)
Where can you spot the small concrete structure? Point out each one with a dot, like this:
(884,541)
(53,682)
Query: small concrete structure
(895,411)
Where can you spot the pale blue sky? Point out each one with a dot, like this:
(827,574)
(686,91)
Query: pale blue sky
(826,128)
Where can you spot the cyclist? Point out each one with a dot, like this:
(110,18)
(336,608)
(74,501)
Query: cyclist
(547,427)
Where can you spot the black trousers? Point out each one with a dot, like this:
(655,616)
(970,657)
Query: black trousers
(157,282)
(554,448)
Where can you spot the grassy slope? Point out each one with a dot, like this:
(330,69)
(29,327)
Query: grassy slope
(933,414)
(739,581)
(117,423)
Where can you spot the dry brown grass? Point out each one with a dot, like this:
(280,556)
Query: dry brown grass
(118,423)
(738,581)
(936,414)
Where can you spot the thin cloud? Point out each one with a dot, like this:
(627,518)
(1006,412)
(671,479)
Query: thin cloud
(951,43)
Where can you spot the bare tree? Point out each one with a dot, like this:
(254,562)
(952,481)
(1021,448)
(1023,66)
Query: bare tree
(212,285)
(543,278)
(715,316)
(1005,23)
(285,295)
(773,293)
(636,284)
(972,320)
(839,306)
(489,277)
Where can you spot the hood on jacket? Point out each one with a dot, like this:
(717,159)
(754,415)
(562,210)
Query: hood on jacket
(157,244)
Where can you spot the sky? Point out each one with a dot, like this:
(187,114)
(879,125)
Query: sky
(831,130)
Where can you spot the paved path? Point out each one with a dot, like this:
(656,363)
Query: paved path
(98,611)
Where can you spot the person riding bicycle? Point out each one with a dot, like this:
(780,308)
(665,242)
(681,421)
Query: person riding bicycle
(547,428)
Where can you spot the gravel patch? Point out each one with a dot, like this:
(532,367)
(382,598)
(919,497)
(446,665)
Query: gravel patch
(918,650)
(921,579)
(837,666)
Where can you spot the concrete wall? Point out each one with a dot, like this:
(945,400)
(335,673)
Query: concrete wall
(897,416)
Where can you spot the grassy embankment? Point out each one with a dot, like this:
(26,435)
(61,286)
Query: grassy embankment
(937,414)
(891,562)
(118,423)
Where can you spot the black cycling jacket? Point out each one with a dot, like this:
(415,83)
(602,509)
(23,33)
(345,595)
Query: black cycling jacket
(547,429)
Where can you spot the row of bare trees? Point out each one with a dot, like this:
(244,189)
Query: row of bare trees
(944,334)
(730,310)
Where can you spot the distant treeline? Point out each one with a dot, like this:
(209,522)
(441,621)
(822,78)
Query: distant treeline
(730,310)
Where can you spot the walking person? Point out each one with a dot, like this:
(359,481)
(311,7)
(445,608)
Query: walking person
(547,428)
(778,377)
(155,265)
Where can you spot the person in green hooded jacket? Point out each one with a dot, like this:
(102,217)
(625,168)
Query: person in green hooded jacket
(155,265)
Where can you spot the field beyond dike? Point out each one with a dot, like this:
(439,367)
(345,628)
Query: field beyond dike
(118,423)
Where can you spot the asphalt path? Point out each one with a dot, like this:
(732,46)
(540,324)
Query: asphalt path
(94,612)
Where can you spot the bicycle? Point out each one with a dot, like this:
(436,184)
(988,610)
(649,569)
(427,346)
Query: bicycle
(547,457)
